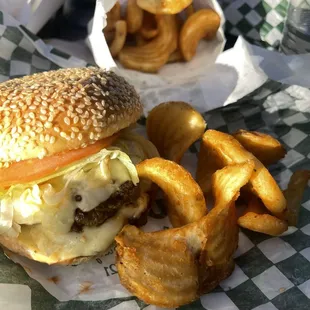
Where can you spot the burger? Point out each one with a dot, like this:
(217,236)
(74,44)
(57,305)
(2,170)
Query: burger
(68,151)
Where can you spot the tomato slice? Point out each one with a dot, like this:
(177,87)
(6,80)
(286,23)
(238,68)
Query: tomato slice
(33,169)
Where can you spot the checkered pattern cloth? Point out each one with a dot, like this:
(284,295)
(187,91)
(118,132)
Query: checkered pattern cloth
(256,20)
(271,272)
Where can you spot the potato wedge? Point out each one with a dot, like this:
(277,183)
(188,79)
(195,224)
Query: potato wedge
(203,23)
(186,203)
(226,150)
(119,38)
(230,178)
(172,139)
(256,218)
(294,193)
(264,147)
(149,28)
(164,6)
(134,16)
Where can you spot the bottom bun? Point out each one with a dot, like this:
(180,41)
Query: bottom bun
(35,244)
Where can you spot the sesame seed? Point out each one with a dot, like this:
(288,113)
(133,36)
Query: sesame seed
(43,117)
(98,129)
(52,140)
(75,119)
(48,125)
(19,121)
(31,115)
(80,136)
(63,134)
(67,120)
(75,129)
(72,135)
(91,136)
(42,138)
(57,129)
(47,138)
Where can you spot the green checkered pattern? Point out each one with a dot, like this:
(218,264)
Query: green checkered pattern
(271,272)
(256,20)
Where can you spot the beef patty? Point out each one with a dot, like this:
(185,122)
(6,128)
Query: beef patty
(126,195)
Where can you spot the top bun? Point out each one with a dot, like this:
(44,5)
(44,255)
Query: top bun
(55,111)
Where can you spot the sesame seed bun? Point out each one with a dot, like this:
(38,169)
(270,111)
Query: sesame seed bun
(56,111)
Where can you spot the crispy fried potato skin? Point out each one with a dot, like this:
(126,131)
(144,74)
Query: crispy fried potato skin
(153,55)
(226,150)
(186,203)
(173,267)
(264,147)
(173,138)
(203,23)
(257,218)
